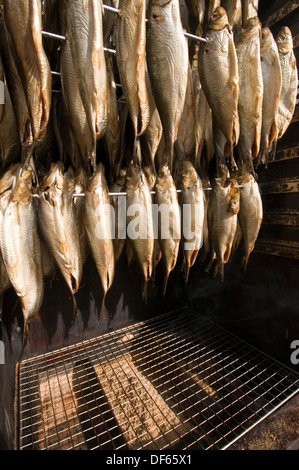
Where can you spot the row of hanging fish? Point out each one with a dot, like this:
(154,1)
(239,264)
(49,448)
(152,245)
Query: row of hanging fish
(71,137)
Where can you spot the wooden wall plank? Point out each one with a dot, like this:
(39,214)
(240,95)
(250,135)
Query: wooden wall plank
(278,248)
(279,217)
(281,9)
(283,185)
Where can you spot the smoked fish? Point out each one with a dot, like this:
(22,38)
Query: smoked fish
(272,81)
(168,221)
(98,229)
(251,92)
(58,225)
(23,22)
(20,246)
(224,205)
(140,229)
(219,77)
(130,43)
(193,212)
(167,61)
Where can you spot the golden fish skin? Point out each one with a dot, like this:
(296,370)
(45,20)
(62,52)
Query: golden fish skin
(140,229)
(250,9)
(74,105)
(21,248)
(167,61)
(112,137)
(85,35)
(251,92)
(23,21)
(98,228)
(250,215)
(224,205)
(2,101)
(130,43)
(169,224)
(193,213)
(15,90)
(6,184)
(151,137)
(80,188)
(233,9)
(219,77)
(119,205)
(287,101)
(10,145)
(203,117)
(186,130)
(58,225)
(272,80)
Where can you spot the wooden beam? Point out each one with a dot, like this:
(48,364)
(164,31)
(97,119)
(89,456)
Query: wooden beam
(287,217)
(295,117)
(296,41)
(282,248)
(286,153)
(281,186)
(280,13)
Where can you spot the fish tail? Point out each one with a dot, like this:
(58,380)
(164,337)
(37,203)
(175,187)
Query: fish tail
(165,282)
(25,332)
(272,151)
(102,306)
(209,267)
(244,262)
(144,291)
(75,307)
(187,271)
(137,158)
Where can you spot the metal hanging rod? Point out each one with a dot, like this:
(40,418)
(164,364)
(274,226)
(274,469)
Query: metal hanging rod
(117,194)
(112,9)
(117,11)
(62,38)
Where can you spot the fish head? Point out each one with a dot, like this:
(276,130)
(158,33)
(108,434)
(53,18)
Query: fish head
(284,40)
(22,189)
(267,38)
(133,176)
(80,180)
(252,28)
(6,181)
(69,180)
(98,178)
(233,198)
(188,175)
(150,176)
(164,179)
(218,19)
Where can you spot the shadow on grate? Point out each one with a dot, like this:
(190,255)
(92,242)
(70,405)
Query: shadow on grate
(173,382)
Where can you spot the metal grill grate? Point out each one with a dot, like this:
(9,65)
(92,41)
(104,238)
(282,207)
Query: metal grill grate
(173,382)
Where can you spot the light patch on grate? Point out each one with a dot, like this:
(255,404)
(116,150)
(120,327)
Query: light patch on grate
(177,381)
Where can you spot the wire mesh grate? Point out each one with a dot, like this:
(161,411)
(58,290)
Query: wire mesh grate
(173,382)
